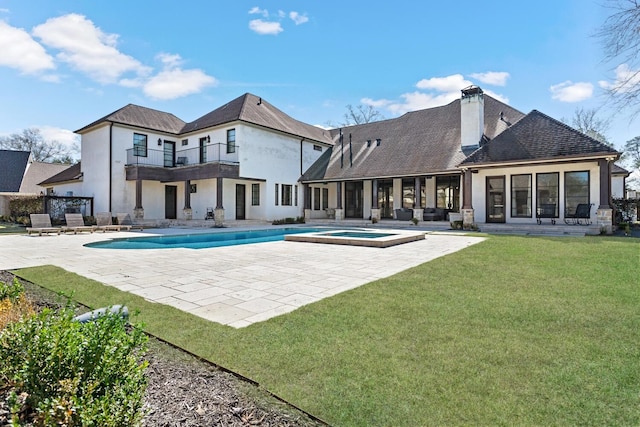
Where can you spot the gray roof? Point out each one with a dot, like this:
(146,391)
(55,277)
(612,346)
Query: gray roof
(247,108)
(417,143)
(252,109)
(142,117)
(538,137)
(37,172)
(619,170)
(12,168)
(71,173)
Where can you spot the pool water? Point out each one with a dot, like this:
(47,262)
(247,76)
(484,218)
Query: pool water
(202,240)
(358,234)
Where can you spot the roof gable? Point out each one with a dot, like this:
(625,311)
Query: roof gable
(416,143)
(37,172)
(537,137)
(71,173)
(142,117)
(12,169)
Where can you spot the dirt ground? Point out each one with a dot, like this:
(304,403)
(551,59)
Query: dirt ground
(186,391)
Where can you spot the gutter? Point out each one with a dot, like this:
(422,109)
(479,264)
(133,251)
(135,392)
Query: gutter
(110,164)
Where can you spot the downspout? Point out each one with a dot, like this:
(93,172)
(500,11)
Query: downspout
(110,164)
(301,171)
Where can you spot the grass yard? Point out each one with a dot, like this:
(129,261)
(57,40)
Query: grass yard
(511,331)
(7,228)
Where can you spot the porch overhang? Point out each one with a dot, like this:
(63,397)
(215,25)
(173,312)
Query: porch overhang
(194,172)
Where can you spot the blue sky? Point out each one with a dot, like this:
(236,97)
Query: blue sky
(66,63)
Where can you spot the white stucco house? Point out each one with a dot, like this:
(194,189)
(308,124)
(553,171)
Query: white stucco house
(475,159)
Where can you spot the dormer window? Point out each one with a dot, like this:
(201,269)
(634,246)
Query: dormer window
(378,141)
(368,143)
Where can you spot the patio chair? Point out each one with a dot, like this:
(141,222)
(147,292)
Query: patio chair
(75,223)
(125,221)
(546,210)
(104,222)
(582,215)
(41,223)
(209,214)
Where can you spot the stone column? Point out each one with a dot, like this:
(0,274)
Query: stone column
(604,213)
(467,197)
(186,211)
(218,212)
(138,211)
(375,215)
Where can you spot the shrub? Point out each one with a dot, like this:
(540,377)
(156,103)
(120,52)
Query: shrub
(289,220)
(13,303)
(73,373)
(456,225)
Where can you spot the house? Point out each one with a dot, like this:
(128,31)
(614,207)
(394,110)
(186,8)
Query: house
(240,161)
(20,176)
(475,159)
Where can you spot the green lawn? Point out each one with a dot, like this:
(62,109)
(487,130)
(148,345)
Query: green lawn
(512,331)
(8,227)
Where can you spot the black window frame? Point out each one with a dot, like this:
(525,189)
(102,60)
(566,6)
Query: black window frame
(316,198)
(140,146)
(287,195)
(570,206)
(231,141)
(542,199)
(514,204)
(255,194)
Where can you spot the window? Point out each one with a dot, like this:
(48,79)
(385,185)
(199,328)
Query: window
(203,150)
(185,142)
(521,196)
(231,141)
(317,147)
(316,198)
(325,198)
(193,188)
(576,190)
(295,195)
(448,192)
(286,194)
(547,191)
(277,191)
(255,194)
(408,193)
(139,145)
(368,143)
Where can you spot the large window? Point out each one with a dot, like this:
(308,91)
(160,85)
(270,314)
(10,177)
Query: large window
(325,198)
(408,193)
(521,196)
(448,192)
(255,194)
(576,190)
(286,194)
(203,150)
(231,141)
(139,145)
(277,193)
(547,192)
(316,198)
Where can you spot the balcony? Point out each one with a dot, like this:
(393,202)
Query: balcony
(209,161)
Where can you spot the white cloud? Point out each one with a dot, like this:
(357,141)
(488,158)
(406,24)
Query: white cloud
(4,10)
(170,60)
(497,96)
(265,27)
(257,11)
(569,91)
(297,18)
(176,83)
(494,78)
(376,103)
(63,136)
(21,52)
(626,79)
(452,83)
(86,48)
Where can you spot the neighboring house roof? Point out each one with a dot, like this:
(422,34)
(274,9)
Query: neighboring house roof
(71,173)
(417,143)
(142,117)
(537,137)
(38,171)
(252,109)
(12,168)
(618,170)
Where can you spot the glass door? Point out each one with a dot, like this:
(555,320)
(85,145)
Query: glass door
(385,198)
(169,154)
(353,199)
(495,199)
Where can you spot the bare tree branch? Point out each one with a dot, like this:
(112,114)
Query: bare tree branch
(42,151)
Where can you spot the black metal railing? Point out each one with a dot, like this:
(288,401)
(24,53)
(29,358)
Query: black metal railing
(210,153)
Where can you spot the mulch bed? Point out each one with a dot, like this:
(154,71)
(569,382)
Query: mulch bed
(185,391)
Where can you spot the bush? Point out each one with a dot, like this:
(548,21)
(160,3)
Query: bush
(13,303)
(298,220)
(72,373)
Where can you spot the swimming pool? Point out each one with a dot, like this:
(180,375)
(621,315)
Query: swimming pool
(202,240)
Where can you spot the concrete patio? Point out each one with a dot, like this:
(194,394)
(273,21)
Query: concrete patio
(233,285)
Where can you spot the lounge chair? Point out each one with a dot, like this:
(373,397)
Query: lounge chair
(75,223)
(41,223)
(124,221)
(104,222)
(581,216)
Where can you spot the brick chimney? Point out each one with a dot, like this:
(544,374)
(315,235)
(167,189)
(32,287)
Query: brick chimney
(471,117)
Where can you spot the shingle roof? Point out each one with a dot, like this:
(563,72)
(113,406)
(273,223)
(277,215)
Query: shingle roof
(37,172)
(538,137)
(12,167)
(72,173)
(417,143)
(619,170)
(135,115)
(252,109)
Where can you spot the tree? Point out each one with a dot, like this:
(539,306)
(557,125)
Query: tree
(587,122)
(361,114)
(632,149)
(620,36)
(42,151)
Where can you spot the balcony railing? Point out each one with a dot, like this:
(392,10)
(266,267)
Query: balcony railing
(211,153)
